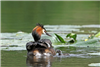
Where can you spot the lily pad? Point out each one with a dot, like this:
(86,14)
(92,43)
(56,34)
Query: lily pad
(94,53)
(94,64)
(90,43)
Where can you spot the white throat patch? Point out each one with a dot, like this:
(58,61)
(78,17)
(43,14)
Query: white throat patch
(43,31)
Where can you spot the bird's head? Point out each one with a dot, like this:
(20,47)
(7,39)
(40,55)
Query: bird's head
(38,31)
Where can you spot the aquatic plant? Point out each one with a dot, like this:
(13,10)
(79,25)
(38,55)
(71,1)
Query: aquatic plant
(72,37)
(91,40)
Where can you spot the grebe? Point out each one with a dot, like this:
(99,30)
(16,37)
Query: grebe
(40,47)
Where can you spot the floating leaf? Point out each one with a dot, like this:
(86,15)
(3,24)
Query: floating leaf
(98,53)
(89,43)
(60,38)
(94,64)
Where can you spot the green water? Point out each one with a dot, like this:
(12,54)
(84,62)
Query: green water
(76,58)
(23,15)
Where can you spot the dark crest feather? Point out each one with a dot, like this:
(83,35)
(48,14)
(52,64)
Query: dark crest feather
(40,25)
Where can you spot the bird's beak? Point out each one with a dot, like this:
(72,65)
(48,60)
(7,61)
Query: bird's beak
(48,34)
(45,32)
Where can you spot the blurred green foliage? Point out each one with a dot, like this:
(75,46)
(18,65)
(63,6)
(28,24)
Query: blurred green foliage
(23,15)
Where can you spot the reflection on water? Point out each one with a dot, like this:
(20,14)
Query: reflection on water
(58,61)
(36,61)
(76,58)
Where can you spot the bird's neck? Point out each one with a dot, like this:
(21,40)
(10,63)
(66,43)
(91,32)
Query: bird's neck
(36,36)
(36,33)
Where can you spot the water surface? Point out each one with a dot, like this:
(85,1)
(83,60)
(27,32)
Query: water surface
(80,54)
(77,57)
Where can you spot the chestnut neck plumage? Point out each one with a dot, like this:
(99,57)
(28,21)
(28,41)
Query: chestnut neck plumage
(36,33)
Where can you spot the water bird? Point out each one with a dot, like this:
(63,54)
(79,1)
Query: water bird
(59,53)
(40,47)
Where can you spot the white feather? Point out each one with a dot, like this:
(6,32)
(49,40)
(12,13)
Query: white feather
(48,44)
